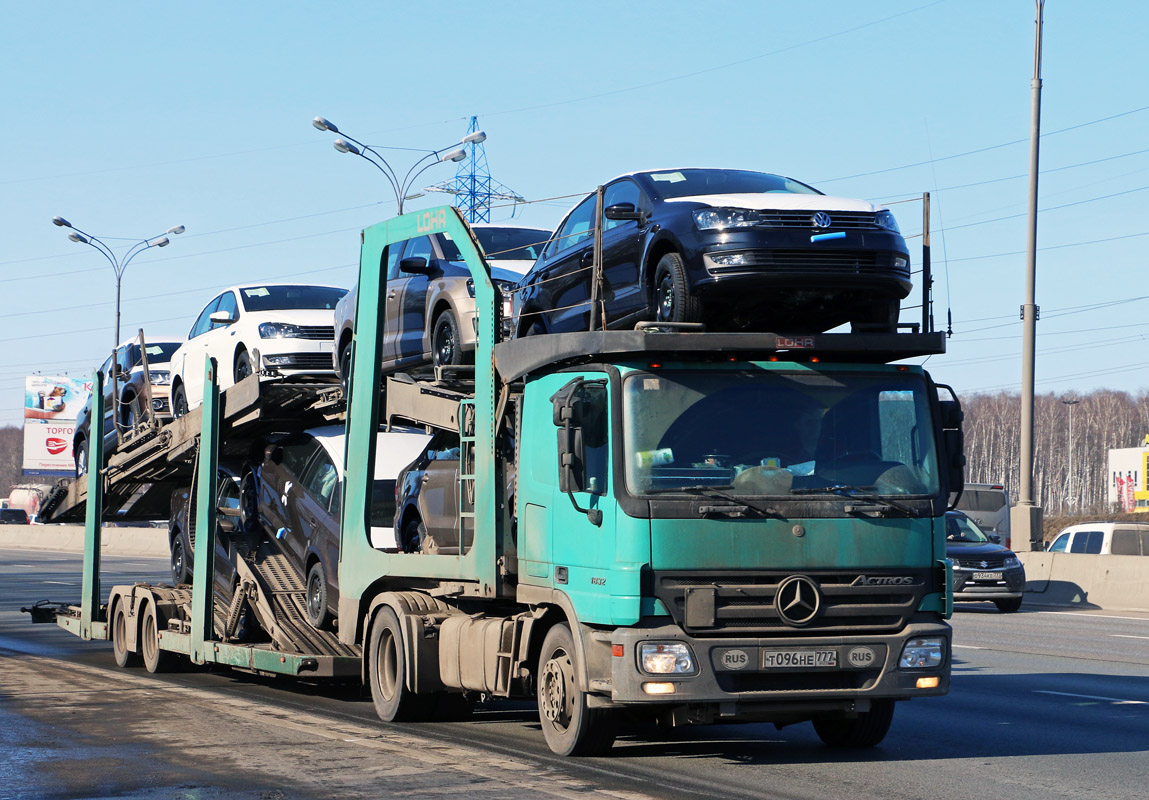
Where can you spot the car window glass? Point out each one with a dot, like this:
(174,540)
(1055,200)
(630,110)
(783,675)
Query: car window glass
(321,479)
(390,260)
(228,492)
(1059,543)
(579,226)
(1125,543)
(383,503)
(226,303)
(105,368)
(448,247)
(621,192)
(1145,543)
(296,455)
(203,321)
(420,248)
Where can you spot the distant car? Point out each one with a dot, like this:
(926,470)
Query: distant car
(290,325)
(987,504)
(1103,538)
(14,516)
(429,297)
(427,501)
(299,495)
(983,570)
(133,386)
(736,250)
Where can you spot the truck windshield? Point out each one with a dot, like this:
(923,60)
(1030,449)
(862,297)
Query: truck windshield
(766,433)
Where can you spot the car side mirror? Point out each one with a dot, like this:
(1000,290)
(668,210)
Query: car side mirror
(994,537)
(273,453)
(415,266)
(222,317)
(624,211)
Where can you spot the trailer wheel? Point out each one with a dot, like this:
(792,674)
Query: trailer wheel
(317,613)
(672,299)
(865,730)
(394,702)
(124,656)
(570,727)
(155,659)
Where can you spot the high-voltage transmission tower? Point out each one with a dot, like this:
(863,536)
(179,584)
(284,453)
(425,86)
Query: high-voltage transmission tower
(473,185)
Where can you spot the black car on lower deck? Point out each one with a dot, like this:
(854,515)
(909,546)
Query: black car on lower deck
(983,570)
(737,250)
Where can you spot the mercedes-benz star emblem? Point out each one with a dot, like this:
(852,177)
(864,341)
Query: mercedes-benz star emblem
(798,601)
(821,220)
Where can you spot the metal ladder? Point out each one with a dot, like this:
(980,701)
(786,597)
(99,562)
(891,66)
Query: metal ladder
(466,486)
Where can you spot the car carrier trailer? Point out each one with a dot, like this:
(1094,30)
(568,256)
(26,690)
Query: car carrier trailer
(599,569)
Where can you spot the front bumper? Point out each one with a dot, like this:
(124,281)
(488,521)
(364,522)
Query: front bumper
(1006,585)
(730,678)
(297,356)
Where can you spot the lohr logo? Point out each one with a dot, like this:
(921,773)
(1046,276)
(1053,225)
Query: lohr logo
(431,220)
(735,659)
(796,342)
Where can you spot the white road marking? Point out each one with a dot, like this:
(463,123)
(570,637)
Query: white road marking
(62,583)
(966,647)
(1098,616)
(1127,636)
(1118,700)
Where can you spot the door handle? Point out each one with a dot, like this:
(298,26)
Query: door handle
(391,295)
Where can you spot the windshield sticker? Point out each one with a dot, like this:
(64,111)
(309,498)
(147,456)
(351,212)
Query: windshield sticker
(153,350)
(668,177)
(900,395)
(260,292)
(651,384)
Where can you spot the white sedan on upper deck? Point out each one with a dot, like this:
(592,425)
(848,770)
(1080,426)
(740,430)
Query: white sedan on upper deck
(292,326)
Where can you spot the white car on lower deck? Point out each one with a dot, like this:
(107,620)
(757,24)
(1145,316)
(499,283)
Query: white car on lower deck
(290,326)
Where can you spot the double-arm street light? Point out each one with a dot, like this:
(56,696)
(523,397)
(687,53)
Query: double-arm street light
(348,144)
(118,264)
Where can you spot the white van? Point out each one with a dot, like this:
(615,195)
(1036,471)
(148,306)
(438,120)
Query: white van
(987,504)
(1103,538)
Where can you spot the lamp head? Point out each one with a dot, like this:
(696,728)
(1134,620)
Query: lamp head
(75,237)
(61,222)
(344,146)
(454,155)
(164,242)
(324,125)
(177,229)
(474,138)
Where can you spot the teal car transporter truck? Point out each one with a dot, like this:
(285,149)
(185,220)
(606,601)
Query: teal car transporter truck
(685,527)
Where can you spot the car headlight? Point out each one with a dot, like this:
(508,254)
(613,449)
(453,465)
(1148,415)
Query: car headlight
(885,219)
(279,330)
(1012,562)
(710,219)
(159,377)
(923,653)
(665,658)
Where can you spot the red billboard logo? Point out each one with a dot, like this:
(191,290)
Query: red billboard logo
(56,445)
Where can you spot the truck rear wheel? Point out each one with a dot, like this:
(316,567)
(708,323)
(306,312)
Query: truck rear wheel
(569,725)
(124,656)
(155,659)
(865,730)
(394,702)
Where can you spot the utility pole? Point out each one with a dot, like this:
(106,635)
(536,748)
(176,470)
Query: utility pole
(1026,518)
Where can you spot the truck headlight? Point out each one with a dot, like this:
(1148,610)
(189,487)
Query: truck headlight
(923,653)
(711,219)
(665,658)
(279,330)
(885,219)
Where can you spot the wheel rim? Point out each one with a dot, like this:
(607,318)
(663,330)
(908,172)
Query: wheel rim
(388,666)
(345,369)
(666,298)
(82,459)
(556,697)
(119,632)
(177,561)
(314,602)
(242,368)
(445,345)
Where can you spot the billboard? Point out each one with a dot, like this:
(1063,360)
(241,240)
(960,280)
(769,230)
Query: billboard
(51,405)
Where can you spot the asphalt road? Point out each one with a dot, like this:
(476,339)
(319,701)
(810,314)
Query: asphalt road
(1044,703)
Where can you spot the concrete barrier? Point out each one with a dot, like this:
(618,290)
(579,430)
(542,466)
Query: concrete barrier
(70,539)
(1087,581)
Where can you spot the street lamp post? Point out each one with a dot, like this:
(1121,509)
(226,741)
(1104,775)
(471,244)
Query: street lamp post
(1072,486)
(348,144)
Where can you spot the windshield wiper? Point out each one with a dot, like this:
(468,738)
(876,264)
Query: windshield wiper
(846,490)
(716,492)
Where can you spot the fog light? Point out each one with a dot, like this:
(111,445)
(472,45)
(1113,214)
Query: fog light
(663,658)
(732,260)
(900,263)
(928,683)
(923,653)
(278,361)
(658,688)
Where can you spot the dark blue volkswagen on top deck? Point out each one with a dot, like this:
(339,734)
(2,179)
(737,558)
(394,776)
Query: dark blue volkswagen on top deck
(736,250)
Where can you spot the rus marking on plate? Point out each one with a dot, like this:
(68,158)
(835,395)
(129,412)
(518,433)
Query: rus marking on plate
(735,659)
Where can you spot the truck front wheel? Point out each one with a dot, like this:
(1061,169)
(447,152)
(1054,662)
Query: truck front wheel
(394,702)
(570,727)
(865,730)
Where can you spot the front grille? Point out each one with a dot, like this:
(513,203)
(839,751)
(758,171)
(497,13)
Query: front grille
(743,603)
(811,260)
(990,561)
(324,333)
(313,361)
(840,220)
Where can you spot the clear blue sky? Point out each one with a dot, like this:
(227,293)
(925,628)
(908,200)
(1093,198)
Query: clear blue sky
(129,118)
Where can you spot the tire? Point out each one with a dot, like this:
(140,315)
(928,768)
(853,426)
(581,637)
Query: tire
(243,366)
(179,401)
(1010,606)
(316,597)
(81,453)
(394,702)
(123,656)
(181,571)
(570,727)
(155,659)
(345,369)
(865,730)
(446,341)
(414,534)
(671,299)
(879,317)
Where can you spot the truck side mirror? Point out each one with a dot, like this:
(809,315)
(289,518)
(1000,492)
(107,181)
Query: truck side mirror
(579,411)
(953,443)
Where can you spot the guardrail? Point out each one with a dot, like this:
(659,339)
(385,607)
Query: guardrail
(1087,581)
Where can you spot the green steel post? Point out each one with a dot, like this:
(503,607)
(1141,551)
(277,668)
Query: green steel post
(203,562)
(93,511)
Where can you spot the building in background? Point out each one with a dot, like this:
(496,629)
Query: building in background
(1129,478)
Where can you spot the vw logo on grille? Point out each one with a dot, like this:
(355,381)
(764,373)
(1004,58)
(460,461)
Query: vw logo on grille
(821,220)
(798,600)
